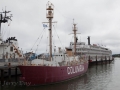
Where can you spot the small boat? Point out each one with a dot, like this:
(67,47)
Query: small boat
(55,67)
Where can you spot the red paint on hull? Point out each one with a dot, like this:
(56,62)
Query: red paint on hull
(40,75)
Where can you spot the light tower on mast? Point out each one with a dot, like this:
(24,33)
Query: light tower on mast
(49,16)
(4,19)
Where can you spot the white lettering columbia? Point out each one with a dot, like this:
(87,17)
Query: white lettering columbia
(75,69)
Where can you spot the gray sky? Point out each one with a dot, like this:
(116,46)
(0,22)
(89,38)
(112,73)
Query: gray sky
(98,19)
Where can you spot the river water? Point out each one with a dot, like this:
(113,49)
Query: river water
(98,77)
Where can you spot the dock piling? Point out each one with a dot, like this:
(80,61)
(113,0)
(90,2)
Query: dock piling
(109,60)
(16,74)
(96,60)
(101,61)
(16,71)
(105,60)
(2,76)
(9,73)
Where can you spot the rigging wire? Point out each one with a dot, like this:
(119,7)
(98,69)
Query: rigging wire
(54,42)
(46,42)
(62,14)
(37,40)
(72,38)
(58,37)
(9,32)
(4,31)
(9,29)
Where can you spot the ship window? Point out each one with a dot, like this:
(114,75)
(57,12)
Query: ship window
(11,49)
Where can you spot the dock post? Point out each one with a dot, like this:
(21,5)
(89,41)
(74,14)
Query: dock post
(16,74)
(16,71)
(2,76)
(96,60)
(105,60)
(101,60)
(9,73)
(109,59)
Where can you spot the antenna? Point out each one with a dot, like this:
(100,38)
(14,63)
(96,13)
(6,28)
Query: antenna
(4,19)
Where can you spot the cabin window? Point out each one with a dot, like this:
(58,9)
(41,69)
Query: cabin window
(11,49)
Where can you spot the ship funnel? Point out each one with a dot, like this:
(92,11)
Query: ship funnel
(88,40)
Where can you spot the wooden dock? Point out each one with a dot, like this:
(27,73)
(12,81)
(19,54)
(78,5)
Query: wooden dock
(7,69)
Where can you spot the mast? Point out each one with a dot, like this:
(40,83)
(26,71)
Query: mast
(49,16)
(74,30)
(75,38)
(4,19)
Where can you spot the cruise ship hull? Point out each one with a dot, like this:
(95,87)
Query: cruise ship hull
(42,75)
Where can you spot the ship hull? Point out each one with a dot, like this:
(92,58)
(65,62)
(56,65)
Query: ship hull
(42,75)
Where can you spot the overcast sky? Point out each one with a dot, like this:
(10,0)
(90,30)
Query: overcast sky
(99,19)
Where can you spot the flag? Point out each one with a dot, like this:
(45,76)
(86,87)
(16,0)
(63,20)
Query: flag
(44,25)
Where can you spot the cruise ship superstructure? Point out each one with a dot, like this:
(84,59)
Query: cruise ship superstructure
(93,52)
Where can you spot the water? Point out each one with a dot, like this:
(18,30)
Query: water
(100,77)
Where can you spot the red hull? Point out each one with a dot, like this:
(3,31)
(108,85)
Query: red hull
(40,75)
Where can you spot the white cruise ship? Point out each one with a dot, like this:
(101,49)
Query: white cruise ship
(93,52)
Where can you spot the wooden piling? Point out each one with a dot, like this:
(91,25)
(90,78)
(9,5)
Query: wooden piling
(101,61)
(2,76)
(16,71)
(16,74)
(96,60)
(105,60)
(109,59)
(9,73)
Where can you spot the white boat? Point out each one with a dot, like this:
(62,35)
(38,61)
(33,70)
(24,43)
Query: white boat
(59,66)
(10,54)
(94,52)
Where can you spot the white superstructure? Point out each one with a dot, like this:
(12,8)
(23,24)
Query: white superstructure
(92,51)
(8,49)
